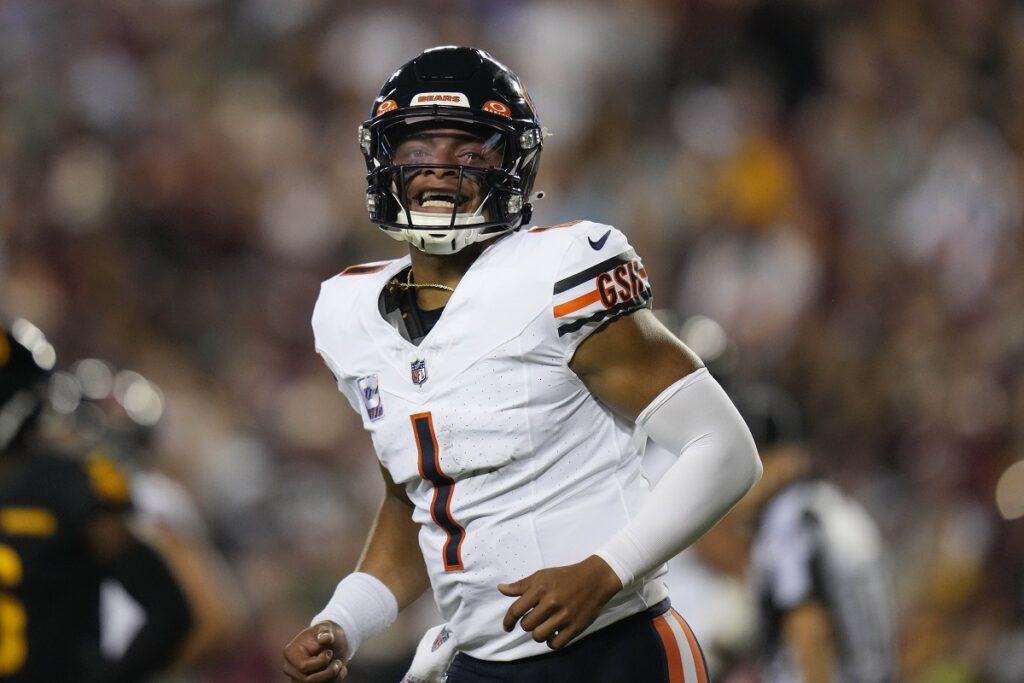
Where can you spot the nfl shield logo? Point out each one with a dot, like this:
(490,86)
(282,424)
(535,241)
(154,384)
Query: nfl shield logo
(441,639)
(419,372)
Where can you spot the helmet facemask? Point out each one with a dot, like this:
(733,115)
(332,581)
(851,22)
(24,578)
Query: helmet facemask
(444,182)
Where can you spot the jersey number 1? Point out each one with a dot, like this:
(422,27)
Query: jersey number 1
(440,506)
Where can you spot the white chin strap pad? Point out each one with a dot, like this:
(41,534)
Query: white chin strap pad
(443,241)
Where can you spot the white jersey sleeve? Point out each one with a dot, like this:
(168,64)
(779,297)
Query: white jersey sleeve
(334,322)
(599,279)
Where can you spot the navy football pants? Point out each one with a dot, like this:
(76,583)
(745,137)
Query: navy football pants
(653,646)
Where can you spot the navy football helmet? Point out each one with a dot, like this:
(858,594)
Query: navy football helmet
(474,186)
(101,406)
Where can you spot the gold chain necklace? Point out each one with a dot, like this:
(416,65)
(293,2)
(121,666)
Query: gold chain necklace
(409,284)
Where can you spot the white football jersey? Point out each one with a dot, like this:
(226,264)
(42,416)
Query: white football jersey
(511,463)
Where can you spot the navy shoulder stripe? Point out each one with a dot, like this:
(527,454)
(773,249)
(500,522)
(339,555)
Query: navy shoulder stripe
(593,271)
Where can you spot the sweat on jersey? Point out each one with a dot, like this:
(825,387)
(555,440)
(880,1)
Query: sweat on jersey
(511,463)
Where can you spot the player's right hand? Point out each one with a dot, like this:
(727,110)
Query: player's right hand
(317,654)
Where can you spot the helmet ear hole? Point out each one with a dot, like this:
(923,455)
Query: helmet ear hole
(464,89)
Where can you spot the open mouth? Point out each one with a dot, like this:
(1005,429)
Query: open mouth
(440,200)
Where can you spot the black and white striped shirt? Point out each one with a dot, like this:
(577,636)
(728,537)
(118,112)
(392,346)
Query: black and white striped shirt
(814,543)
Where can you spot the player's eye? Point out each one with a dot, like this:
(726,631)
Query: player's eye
(474,157)
(414,154)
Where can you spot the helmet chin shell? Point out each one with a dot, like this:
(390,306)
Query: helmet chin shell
(452,87)
(441,243)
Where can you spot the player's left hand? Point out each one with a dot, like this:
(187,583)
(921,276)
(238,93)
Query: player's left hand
(559,603)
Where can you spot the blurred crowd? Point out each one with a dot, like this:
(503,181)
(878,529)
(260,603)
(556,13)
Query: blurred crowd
(837,183)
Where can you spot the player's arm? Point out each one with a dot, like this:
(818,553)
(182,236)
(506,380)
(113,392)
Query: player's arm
(145,576)
(630,361)
(639,369)
(392,553)
(389,577)
(218,607)
(807,633)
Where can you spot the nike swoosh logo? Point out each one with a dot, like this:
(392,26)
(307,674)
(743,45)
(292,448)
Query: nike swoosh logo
(599,244)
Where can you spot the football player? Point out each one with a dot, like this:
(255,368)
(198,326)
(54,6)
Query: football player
(115,413)
(509,377)
(62,530)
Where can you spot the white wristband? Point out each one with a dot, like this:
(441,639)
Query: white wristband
(362,606)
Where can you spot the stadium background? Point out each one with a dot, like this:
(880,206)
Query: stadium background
(838,183)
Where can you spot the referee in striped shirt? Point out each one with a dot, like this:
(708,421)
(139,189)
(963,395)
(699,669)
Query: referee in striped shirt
(818,564)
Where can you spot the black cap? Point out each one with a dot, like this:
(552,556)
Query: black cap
(771,413)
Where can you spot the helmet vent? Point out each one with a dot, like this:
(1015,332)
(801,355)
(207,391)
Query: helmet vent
(448,64)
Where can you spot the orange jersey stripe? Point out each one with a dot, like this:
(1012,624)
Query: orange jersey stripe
(365,268)
(672,654)
(567,224)
(698,658)
(577,303)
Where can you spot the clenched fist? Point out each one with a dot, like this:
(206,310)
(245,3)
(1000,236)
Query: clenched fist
(317,654)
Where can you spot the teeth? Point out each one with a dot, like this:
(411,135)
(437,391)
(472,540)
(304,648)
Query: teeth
(437,199)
